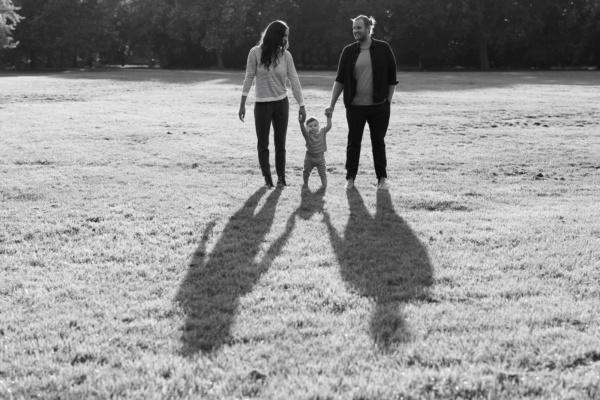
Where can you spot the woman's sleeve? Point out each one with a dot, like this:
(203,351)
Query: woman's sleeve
(250,72)
(292,75)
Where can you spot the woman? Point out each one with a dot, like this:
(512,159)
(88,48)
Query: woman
(272,64)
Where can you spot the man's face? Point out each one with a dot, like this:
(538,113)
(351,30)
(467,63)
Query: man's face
(313,127)
(360,31)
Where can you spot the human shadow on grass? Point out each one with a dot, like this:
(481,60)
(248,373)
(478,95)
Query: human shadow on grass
(310,204)
(381,258)
(210,293)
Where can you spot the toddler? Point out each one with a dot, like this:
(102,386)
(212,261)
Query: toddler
(316,146)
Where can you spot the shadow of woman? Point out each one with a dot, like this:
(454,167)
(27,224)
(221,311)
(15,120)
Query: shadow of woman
(210,293)
(382,259)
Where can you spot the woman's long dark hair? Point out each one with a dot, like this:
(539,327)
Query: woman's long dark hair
(272,45)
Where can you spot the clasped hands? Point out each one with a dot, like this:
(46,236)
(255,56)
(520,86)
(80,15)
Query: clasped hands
(302,114)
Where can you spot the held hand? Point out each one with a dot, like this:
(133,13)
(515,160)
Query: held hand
(329,112)
(302,114)
(242,113)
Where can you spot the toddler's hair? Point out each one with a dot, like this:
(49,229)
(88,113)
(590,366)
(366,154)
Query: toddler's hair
(310,119)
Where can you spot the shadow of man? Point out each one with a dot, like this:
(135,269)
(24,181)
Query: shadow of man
(210,293)
(382,259)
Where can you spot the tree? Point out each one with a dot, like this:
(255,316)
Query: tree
(61,31)
(588,45)
(223,22)
(563,32)
(428,32)
(8,19)
(495,24)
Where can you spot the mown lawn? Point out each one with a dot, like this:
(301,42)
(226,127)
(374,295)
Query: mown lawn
(141,258)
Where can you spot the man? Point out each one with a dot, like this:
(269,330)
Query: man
(367,76)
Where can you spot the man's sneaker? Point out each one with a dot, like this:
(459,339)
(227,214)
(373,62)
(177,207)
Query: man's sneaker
(281,182)
(382,184)
(269,182)
(349,183)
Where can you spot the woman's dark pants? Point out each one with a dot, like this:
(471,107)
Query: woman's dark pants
(378,118)
(277,113)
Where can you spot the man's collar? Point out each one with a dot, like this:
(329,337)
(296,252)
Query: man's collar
(373,40)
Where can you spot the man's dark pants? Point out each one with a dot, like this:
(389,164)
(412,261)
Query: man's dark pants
(277,113)
(378,118)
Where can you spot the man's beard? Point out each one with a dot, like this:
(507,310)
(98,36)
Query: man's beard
(361,37)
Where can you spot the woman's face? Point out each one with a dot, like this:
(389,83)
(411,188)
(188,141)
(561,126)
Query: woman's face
(285,37)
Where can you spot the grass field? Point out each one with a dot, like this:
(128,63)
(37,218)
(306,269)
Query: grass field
(141,258)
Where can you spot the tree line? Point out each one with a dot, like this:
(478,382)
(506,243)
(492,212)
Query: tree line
(424,34)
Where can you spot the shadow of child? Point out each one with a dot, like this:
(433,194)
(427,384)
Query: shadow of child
(310,204)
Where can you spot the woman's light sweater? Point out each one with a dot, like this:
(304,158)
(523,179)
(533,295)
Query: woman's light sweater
(271,83)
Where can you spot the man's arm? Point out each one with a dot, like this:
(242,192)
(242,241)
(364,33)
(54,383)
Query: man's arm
(338,88)
(338,85)
(392,74)
(391,90)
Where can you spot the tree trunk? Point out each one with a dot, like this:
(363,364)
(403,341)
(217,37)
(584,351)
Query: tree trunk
(150,50)
(220,64)
(484,61)
(32,59)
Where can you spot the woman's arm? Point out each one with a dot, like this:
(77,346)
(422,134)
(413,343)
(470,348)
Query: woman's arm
(328,126)
(292,76)
(242,112)
(251,65)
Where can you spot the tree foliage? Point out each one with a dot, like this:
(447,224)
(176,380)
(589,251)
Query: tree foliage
(201,33)
(8,20)
(63,31)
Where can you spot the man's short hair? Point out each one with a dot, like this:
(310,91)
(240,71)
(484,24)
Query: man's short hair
(369,22)
(311,119)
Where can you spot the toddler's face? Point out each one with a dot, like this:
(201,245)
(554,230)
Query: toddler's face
(313,127)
